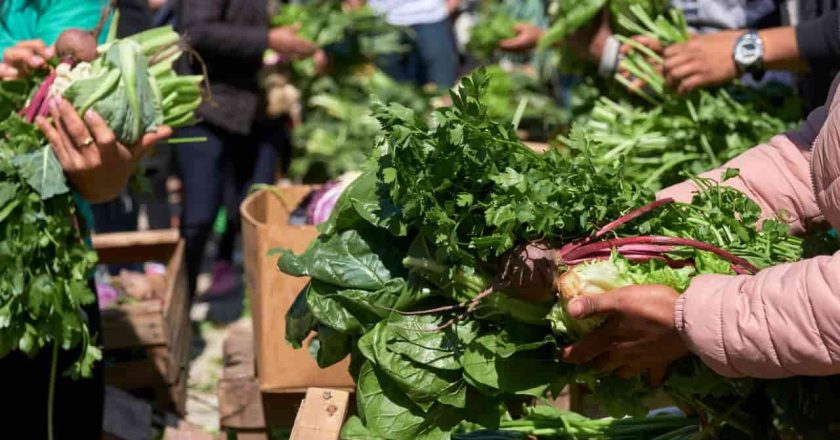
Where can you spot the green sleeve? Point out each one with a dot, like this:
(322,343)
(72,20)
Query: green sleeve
(59,15)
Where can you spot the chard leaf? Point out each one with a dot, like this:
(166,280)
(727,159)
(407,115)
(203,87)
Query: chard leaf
(358,259)
(354,429)
(352,311)
(410,336)
(42,172)
(330,346)
(528,373)
(424,385)
(389,413)
(122,94)
(299,320)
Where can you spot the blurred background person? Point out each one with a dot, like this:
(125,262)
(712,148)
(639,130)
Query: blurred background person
(433,56)
(241,146)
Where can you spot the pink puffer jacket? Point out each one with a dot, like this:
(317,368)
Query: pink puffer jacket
(784,321)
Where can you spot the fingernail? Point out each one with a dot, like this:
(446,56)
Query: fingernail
(36,60)
(575,307)
(53,103)
(89,116)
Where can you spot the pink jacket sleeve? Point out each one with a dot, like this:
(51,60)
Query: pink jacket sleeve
(775,175)
(784,320)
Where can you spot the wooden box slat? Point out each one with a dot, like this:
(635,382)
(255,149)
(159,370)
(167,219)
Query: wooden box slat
(157,329)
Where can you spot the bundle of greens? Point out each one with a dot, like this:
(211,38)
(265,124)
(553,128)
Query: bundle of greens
(432,274)
(351,36)
(46,265)
(524,100)
(663,135)
(545,421)
(493,26)
(570,17)
(338,129)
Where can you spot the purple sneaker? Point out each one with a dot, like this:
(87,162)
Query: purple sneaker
(225,280)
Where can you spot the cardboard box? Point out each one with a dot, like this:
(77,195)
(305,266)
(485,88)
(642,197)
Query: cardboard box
(265,225)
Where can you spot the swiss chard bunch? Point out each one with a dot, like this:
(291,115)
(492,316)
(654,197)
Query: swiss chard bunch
(46,269)
(436,272)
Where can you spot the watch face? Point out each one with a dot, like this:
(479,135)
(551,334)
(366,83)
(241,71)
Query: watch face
(748,50)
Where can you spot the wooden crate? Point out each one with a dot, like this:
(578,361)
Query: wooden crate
(244,410)
(265,225)
(147,344)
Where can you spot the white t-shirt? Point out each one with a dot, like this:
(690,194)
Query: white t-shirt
(410,12)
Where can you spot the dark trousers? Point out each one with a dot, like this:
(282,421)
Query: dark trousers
(432,57)
(78,405)
(216,173)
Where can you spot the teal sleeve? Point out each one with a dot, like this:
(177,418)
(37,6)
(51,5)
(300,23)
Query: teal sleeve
(65,14)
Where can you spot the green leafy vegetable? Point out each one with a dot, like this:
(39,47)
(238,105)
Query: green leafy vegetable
(45,263)
(447,211)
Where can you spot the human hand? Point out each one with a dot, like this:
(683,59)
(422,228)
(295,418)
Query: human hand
(703,60)
(589,42)
(286,41)
(24,57)
(95,162)
(639,333)
(353,4)
(323,63)
(527,37)
(452,6)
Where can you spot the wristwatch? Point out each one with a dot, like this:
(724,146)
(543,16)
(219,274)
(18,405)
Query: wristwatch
(749,54)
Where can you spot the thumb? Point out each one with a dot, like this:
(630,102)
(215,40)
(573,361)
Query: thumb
(585,306)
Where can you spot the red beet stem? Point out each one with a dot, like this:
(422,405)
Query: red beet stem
(632,215)
(583,252)
(39,99)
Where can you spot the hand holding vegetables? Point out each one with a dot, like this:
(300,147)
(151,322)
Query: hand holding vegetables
(527,37)
(703,60)
(286,41)
(23,57)
(639,333)
(89,153)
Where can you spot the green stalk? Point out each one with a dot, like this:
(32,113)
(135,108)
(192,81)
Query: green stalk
(632,66)
(51,391)
(520,110)
(641,48)
(633,89)
(129,67)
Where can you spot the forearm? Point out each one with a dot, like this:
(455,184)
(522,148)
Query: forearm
(781,49)
(778,323)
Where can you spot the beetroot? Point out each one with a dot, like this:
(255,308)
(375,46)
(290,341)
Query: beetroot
(75,46)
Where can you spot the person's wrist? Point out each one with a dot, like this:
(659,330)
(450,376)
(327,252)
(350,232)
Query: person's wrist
(748,53)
